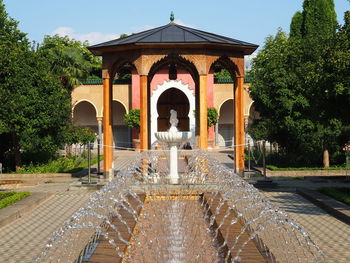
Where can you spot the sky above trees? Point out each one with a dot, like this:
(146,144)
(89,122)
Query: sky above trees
(99,21)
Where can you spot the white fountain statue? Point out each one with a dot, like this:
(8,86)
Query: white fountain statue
(174,139)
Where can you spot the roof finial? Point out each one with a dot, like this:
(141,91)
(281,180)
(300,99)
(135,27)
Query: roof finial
(172,18)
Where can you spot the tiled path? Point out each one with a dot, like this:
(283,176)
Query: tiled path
(23,240)
(330,234)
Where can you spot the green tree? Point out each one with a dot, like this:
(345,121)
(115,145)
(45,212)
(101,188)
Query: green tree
(222,74)
(69,59)
(319,19)
(296,24)
(340,64)
(34,107)
(123,35)
(318,39)
(78,135)
(278,96)
(295,84)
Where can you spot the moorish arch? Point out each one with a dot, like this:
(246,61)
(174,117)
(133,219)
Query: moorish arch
(226,124)
(177,61)
(84,114)
(121,132)
(164,95)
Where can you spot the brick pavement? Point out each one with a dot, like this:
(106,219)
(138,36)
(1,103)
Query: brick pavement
(23,240)
(330,234)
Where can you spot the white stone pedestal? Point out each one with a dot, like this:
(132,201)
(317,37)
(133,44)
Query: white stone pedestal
(173,164)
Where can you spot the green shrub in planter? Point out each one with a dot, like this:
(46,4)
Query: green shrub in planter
(213,117)
(132,119)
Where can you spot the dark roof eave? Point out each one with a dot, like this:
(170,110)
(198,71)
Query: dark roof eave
(99,51)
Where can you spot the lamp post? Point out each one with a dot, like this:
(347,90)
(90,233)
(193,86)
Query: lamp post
(264,158)
(89,162)
(99,139)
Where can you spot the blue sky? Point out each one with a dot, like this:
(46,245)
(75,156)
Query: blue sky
(102,20)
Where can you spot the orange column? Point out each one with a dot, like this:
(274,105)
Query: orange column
(107,124)
(239,125)
(203,113)
(143,113)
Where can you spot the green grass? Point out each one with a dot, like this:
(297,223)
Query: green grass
(9,198)
(275,168)
(60,165)
(341,194)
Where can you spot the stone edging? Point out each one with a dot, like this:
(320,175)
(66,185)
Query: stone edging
(17,210)
(302,173)
(335,208)
(24,176)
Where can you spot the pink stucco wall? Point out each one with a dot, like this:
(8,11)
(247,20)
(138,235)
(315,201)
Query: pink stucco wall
(135,89)
(210,103)
(163,75)
(210,89)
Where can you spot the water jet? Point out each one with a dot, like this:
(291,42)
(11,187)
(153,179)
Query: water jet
(208,214)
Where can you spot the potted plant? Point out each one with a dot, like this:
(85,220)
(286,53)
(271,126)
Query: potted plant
(132,119)
(213,117)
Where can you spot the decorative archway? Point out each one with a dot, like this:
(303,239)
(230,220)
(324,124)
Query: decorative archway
(167,85)
(226,125)
(84,114)
(121,132)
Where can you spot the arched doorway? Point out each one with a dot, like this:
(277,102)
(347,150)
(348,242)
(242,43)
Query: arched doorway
(172,94)
(173,99)
(120,129)
(226,131)
(84,114)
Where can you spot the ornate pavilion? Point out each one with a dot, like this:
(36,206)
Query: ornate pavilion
(172,67)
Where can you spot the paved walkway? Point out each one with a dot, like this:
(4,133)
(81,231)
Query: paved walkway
(330,234)
(23,240)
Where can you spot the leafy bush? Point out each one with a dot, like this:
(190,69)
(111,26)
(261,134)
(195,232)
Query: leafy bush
(132,118)
(76,134)
(9,198)
(212,117)
(61,165)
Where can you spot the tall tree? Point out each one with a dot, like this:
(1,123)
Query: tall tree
(34,108)
(296,24)
(318,32)
(69,59)
(303,115)
(319,18)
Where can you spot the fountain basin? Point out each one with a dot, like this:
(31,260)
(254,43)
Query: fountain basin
(173,136)
(217,217)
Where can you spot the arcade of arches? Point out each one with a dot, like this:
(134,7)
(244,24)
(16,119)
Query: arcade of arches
(88,107)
